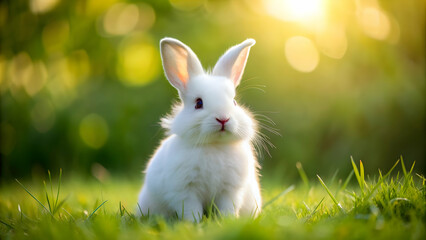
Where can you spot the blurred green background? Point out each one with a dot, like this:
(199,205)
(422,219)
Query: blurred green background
(82,86)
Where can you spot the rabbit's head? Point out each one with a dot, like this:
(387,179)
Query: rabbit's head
(208,112)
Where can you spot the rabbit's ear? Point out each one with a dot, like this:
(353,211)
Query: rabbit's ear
(179,62)
(233,62)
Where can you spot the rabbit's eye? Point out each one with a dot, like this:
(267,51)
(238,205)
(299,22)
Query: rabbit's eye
(235,102)
(198,103)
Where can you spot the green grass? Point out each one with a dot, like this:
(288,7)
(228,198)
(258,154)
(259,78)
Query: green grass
(390,205)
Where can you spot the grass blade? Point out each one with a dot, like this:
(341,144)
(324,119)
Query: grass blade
(123,210)
(210,207)
(358,178)
(59,205)
(193,217)
(183,208)
(69,214)
(408,179)
(51,190)
(333,178)
(403,166)
(302,174)
(218,212)
(289,189)
(41,204)
(307,207)
(422,178)
(96,209)
(6,224)
(59,188)
(140,210)
(119,207)
(319,204)
(315,210)
(412,167)
(330,194)
(380,181)
(47,197)
(127,212)
(361,175)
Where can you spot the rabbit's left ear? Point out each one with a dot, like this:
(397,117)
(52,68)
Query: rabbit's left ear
(233,62)
(179,62)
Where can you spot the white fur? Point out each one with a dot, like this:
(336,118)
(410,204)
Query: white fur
(198,163)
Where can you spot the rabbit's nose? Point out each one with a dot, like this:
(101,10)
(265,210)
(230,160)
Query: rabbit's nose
(222,121)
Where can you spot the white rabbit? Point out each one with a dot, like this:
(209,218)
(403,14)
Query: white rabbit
(208,154)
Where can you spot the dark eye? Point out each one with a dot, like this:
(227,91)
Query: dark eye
(198,103)
(235,102)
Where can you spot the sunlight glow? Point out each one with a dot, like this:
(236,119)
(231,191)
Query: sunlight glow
(295,10)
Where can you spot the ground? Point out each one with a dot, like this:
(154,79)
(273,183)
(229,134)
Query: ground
(388,206)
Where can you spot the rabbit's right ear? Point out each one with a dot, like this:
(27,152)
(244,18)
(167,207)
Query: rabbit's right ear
(179,62)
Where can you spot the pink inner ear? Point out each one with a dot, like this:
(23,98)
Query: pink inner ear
(239,65)
(181,65)
(182,71)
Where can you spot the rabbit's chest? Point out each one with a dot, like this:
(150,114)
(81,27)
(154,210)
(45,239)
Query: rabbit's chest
(217,170)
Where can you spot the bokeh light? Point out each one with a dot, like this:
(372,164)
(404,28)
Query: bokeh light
(295,10)
(139,61)
(94,131)
(42,6)
(301,53)
(121,18)
(146,16)
(62,83)
(374,22)
(37,79)
(332,41)
(20,70)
